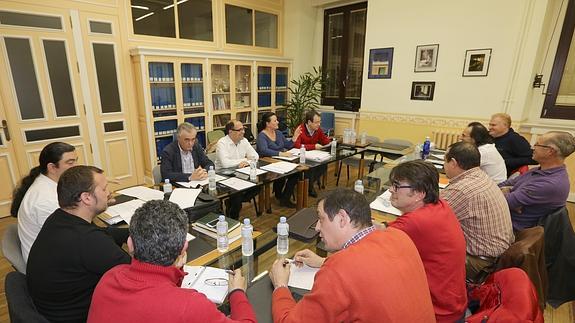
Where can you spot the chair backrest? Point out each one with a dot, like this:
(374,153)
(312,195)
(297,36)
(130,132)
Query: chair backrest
(215,135)
(12,249)
(157,175)
(20,305)
(327,122)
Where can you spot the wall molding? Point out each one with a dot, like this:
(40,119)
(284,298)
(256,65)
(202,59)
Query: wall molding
(420,120)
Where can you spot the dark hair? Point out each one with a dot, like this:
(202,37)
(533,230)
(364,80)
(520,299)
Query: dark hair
(465,153)
(422,176)
(75,181)
(310,114)
(229,126)
(51,153)
(158,230)
(266,117)
(353,203)
(479,134)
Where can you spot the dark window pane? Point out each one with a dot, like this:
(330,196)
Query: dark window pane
(266,30)
(101,27)
(24,75)
(113,126)
(28,20)
(59,72)
(356,36)
(195,20)
(52,133)
(239,25)
(333,55)
(107,78)
(154,18)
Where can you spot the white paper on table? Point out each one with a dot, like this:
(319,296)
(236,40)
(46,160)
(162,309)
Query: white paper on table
(438,156)
(302,277)
(125,210)
(237,184)
(199,184)
(143,193)
(317,155)
(289,158)
(246,170)
(382,203)
(280,167)
(185,197)
(294,151)
(196,279)
(189,237)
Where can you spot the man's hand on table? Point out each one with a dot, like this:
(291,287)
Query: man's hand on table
(199,174)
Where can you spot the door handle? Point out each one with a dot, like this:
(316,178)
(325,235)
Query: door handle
(6,131)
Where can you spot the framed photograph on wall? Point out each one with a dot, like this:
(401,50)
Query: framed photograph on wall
(477,62)
(380,63)
(422,90)
(426,58)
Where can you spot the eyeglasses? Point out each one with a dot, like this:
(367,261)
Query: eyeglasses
(241,129)
(543,146)
(396,186)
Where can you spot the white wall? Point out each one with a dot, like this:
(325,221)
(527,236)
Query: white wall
(302,39)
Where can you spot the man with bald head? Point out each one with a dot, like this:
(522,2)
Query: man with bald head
(544,189)
(514,149)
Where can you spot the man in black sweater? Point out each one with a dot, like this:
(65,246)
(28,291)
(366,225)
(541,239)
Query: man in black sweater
(70,253)
(514,149)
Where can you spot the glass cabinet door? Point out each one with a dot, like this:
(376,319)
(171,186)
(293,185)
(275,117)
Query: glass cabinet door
(220,87)
(192,88)
(264,86)
(281,86)
(243,86)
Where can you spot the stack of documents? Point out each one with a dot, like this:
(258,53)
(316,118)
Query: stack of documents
(185,197)
(210,281)
(294,155)
(382,203)
(237,184)
(123,211)
(143,193)
(280,167)
(199,184)
(317,155)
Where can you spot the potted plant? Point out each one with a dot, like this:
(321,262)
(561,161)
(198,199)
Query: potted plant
(305,95)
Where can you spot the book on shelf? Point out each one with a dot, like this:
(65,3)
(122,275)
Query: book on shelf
(233,235)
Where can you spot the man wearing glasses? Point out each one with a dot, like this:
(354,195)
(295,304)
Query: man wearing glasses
(234,151)
(184,159)
(544,189)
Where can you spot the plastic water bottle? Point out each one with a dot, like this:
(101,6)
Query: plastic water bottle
(353,137)
(247,240)
(346,136)
(302,155)
(426,148)
(363,138)
(222,228)
(358,186)
(167,186)
(283,232)
(253,171)
(333,147)
(212,179)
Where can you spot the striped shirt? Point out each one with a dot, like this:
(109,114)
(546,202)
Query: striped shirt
(187,161)
(482,211)
(358,236)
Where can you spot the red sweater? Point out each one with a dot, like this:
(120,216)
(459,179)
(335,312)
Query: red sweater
(142,292)
(438,236)
(309,141)
(377,279)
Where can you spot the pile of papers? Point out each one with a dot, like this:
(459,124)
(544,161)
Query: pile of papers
(237,184)
(280,167)
(294,155)
(317,155)
(123,211)
(143,193)
(185,197)
(207,226)
(382,203)
(212,282)
(199,184)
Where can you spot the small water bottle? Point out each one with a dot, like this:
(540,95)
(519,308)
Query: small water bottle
(426,148)
(247,240)
(222,228)
(283,232)
(333,147)
(363,138)
(167,186)
(353,137)
(302,155)
(212,179)
(358,186)
(253,171)
(346,136)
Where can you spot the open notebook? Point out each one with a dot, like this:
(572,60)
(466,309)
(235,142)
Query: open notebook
(210,281)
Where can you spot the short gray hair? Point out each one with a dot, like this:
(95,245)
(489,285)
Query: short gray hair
(158,230)
(563,141)
(185,126)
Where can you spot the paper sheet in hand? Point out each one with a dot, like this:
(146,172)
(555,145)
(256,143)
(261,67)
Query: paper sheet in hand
(143,193)
(199,184)
(196,279)
(280,167)
(237,184)
(185,197)
(246,170)
(302,277)
(383,204)
(125,210)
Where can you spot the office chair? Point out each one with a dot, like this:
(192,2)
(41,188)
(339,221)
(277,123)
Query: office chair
(354,161)
(157,175)
(213,137)
(328,123)
(12,249)
(20,305)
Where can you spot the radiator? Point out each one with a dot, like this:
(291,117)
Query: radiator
(444,138)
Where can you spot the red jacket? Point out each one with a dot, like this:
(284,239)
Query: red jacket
(142,292)
(308,140)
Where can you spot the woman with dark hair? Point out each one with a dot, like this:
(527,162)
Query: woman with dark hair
(271,142)
(491,161)
(36,197)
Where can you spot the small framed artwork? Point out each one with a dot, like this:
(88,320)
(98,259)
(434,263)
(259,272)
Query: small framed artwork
(380,63)
(477,62)
(426,58)
(422,90)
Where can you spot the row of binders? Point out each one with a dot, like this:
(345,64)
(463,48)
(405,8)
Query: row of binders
(193,95)
(163,98)
(161,72)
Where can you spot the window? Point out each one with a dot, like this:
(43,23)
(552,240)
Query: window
(241,23)
(343,47)
(560,100)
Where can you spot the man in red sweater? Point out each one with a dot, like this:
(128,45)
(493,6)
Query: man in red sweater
(372,276)
(148,290)
(434,229)
(312,137)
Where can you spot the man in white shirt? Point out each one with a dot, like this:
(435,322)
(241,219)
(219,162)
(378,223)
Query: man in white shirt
(234,151)
(36,198)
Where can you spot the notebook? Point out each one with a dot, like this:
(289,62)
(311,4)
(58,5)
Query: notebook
(210,281)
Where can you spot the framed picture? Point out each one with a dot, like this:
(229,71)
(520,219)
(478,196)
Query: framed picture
(380,63)
(426,58)
(422,90)
(477,62)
